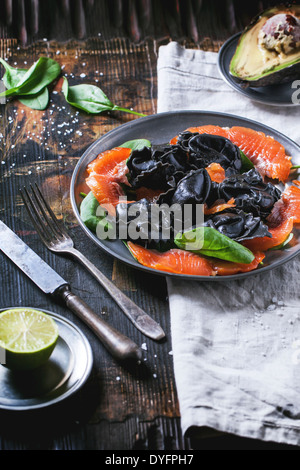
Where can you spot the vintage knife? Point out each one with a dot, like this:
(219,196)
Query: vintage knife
(51,283)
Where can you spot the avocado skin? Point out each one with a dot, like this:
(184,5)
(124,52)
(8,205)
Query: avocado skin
(287,74)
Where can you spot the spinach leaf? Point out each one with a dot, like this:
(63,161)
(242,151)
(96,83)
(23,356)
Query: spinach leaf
(13,76)
(88,213)
(39,101)
(91,99)
(35,79)
(208,241)
(136,144)
(246,162)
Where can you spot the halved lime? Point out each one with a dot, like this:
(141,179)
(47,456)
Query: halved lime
(27,336)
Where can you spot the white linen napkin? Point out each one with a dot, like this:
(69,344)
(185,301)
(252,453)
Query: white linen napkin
(236,344)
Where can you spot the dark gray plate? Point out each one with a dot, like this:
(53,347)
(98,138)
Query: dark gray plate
(160,128)
(276,95)
(63,374)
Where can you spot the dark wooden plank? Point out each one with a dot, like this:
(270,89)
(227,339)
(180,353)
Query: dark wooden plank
(136,20)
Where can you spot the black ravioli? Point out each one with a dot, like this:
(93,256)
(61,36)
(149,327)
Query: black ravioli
(237,225)
(157,168)
(205,149)
(250,192)
(136,221)
(194,188)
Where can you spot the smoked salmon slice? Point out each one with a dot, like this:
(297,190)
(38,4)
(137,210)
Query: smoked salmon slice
(216,172)
(105,162)
(184,262)
(226,268)
(172,261)
(279,235)
(219,207)
(287,206)
(266,153)
(106,191)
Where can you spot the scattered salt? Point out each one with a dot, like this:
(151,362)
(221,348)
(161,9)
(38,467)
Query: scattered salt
(144,346)
(82,75)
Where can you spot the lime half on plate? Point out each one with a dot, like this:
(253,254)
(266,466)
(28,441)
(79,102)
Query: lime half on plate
(27,338)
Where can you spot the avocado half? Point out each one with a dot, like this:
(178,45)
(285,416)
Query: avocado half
(253,64)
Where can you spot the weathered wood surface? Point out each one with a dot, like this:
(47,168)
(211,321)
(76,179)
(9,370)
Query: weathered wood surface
(29,20)
(118,408)
(44,147)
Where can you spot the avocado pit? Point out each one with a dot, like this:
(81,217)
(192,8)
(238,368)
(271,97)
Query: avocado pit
(281,34)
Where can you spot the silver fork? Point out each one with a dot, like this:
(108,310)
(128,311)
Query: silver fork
(56,238)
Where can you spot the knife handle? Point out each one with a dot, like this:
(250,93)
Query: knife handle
(121,347)
(141,320)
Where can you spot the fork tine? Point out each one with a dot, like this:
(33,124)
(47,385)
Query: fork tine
(42,215)
(59,226)
(35,217)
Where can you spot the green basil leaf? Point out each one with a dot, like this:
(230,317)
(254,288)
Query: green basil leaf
(90,98)
(13,76)
(246,162)
(136,144)
(88,213)
(208,241)
(37,77)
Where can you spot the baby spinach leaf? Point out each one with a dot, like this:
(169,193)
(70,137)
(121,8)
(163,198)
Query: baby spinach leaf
(35,79)
(39,101)
(246,162)
(136,144)
(208,241)
(13,76)
(88,213)
(90,98)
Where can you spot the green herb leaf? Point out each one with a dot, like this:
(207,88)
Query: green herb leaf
(39,101)
(136,144)
(208,241)
(88,213)
(246,162)
(13,76)
(90,98)
(34,80)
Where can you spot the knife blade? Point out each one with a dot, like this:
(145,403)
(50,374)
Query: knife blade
(51,283)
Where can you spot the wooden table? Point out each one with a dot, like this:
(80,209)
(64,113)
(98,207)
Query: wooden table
(118,408)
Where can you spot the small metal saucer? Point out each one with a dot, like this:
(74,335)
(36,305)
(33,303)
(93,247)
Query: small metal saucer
(62,375)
